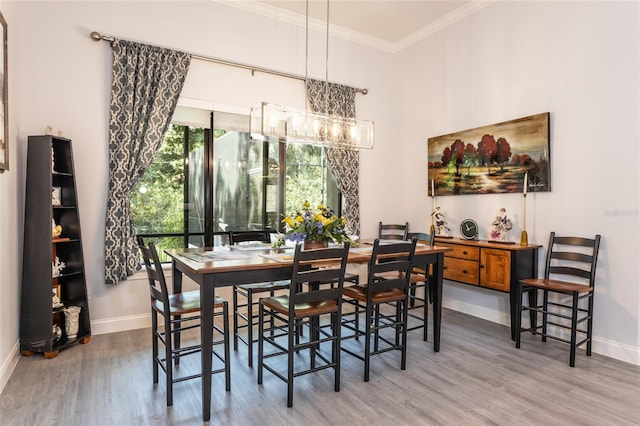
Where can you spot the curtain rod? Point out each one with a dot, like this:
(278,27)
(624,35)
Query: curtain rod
(96,36)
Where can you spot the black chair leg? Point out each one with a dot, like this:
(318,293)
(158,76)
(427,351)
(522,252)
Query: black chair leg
(227,355)
(425,316)
(545,309)
(260,342)
(235,319)
(336,326)
(405,320)
(589,323)
(533,303)
(154,343)
(367,343)
(291,340)
(168,350)
(412,295)
(250,327)
(574,329)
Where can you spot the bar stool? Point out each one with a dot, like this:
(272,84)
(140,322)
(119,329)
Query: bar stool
(180,312)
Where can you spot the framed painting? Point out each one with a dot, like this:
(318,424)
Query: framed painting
(492,159)
(4,118)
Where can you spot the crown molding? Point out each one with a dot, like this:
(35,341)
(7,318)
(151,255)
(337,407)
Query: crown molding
(259,8)
(447,20)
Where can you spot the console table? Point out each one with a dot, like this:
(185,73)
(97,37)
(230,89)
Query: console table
(493,265)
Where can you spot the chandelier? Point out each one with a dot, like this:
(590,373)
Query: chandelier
(292,125)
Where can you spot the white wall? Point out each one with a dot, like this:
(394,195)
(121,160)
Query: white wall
(11,184)
(577,60)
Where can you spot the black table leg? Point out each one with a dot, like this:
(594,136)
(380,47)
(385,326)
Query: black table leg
(207,296)
(437,299)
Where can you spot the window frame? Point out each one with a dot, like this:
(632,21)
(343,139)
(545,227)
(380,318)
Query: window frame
(209,233)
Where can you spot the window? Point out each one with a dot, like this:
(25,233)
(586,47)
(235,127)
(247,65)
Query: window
(202,183)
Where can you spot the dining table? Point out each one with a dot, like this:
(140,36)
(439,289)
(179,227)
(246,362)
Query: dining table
(217,267)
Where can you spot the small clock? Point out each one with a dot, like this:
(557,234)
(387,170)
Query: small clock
(469,229)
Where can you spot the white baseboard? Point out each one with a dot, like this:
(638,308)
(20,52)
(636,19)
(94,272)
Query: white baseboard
(478,311)
(9,365)
(601,346)
(616,350)
(114,325)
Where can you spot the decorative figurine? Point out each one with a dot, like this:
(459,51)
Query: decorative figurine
(278,240)
(440,218)
(56,331)
(56,267)
(56,230)
(55,300)
(55,196)
(500,226)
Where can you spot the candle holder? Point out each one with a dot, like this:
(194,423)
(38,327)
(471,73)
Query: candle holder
(524,238)
(432,229)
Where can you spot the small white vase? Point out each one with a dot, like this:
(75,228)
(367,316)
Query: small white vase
(71,321)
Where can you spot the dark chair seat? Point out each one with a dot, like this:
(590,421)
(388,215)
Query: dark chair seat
(359,292)
(300,310)
(186,303)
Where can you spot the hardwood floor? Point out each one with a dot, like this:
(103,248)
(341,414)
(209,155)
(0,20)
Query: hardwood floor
(478,378)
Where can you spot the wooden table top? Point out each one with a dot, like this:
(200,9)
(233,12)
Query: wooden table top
(225,260)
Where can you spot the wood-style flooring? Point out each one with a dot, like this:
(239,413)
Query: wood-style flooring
(478,378)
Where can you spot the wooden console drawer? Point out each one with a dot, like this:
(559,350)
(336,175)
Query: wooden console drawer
(466,271)
(462,252)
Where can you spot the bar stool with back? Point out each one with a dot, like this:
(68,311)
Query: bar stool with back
(387,283)
(315,291)
(180,312)
(420,280)
(570,271)
(245,311)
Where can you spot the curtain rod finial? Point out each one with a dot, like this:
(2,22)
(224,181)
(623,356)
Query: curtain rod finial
(95,36)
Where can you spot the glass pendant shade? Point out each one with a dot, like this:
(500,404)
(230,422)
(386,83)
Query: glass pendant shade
(292,125)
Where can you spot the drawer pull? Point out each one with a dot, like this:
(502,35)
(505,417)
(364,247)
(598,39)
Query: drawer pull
(464,271)
(465,253)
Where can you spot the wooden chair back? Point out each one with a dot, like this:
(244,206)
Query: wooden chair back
(390,231)
(262,236)
(323,269)
(386,260)
(157,282)
(422,237)
(572,258)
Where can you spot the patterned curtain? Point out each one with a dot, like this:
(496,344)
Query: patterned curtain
(147,81)
(344,164)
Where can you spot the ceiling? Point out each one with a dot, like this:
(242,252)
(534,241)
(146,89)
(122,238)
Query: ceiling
(389,25)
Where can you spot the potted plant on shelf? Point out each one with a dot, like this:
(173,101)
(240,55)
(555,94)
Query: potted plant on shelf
(316,228)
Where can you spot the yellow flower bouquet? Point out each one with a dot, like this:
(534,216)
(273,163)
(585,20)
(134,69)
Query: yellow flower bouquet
(320,225)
